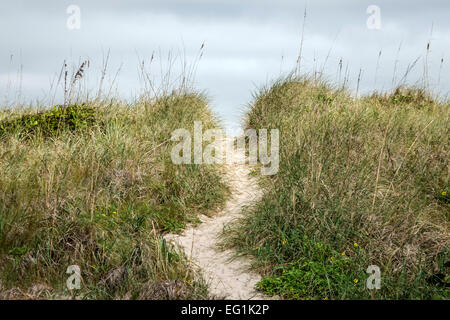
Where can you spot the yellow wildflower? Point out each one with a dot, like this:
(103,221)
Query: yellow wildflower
(355,281)
(343,253)
(283,242)
(355,244)
(444,193)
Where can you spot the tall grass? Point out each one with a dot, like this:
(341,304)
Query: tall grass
(101,196)
(362,181)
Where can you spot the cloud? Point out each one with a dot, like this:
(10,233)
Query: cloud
(248,42)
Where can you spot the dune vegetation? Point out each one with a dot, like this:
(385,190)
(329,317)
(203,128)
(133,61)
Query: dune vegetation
(362,181)
(93,185)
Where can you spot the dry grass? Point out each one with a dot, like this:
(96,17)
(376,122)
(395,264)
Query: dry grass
(364,179)
(101,198)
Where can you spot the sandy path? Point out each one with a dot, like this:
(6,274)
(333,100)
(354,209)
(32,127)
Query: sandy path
(228,276)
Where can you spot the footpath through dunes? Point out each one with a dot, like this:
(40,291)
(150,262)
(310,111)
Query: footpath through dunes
(228,276)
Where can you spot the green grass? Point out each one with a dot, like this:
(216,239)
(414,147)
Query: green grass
(361,182)
(94,186)
(51,122)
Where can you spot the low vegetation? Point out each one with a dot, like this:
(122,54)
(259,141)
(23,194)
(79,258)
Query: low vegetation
(50,122)
(361,182)
(93,185)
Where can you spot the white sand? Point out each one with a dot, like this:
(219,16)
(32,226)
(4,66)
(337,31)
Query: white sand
(228,276)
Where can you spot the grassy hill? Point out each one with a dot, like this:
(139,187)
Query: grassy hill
(93,185)
(362,182)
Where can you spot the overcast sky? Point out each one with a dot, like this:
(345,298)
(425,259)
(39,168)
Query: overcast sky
(248,43)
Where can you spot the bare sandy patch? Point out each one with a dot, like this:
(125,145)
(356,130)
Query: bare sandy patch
(228,276)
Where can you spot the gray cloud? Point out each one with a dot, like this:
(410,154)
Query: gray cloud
(247,42)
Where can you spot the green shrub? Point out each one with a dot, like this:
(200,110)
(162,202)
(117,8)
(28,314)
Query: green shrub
(51,122)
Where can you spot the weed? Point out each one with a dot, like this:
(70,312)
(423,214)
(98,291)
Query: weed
(371,171)
(51,122)
(99,192)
